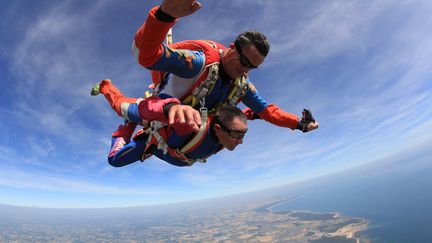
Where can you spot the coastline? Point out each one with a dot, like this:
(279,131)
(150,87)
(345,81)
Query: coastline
(323,227)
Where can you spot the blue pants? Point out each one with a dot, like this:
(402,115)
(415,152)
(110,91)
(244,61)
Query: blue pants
(127,154)
(124,152)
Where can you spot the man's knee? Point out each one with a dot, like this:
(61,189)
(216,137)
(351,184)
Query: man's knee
(120,160)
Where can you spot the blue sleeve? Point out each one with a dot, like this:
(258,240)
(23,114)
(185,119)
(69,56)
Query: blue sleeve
(253,100)
(182,63)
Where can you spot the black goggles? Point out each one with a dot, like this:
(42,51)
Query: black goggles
(235,134)
(238,43)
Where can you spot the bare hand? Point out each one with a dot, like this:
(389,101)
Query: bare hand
(185,114)
(180,8)
(312,126)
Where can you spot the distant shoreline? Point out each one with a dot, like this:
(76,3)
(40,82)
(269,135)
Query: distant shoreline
(268,207)
(349,231)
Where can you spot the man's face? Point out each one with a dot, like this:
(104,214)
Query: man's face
(235,63)
(230,135)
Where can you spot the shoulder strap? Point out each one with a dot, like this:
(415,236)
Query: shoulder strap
(239,90)
(201,89)
(199,137)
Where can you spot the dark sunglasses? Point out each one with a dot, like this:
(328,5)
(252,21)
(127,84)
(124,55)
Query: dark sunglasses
(235,134)
(243,59)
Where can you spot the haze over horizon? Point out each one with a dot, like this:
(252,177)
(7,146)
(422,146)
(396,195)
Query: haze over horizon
(363,68)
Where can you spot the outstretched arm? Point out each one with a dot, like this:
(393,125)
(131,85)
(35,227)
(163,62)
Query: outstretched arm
(278,117)
(258,108)
(148,45)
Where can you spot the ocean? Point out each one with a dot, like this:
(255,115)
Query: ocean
(393,194)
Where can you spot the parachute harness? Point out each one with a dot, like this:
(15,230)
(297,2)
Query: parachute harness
(239,89)
(205,88)
(155,128)
(157,132)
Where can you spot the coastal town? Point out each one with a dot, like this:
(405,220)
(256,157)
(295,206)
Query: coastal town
(247,223)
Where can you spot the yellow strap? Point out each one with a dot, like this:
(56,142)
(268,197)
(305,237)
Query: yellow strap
(238,88)
(234,90)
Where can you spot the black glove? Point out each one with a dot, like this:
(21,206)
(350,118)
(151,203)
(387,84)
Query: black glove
(307,118)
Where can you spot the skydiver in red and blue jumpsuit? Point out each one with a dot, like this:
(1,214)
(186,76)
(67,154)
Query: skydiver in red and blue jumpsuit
(180,69)
(181,145)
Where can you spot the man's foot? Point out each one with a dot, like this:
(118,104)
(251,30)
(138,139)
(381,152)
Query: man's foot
(96,88)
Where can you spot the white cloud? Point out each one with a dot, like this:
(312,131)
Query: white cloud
(14,176)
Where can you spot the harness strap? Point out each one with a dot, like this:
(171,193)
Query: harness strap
(240,87)
(205,87)
(199,137)
(154,131)
(158,134)
(202,89)
(239,90)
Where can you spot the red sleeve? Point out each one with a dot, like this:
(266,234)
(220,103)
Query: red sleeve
(151,109)
(278,117)
(149,39)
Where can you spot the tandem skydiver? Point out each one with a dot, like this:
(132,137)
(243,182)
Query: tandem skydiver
(204,72)
(177,144)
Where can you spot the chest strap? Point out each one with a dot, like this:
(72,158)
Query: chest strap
(239,89)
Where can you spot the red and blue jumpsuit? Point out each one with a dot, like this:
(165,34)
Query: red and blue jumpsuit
(185,67)
(125,151)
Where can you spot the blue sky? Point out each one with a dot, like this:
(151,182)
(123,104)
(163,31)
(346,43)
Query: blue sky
(363,67)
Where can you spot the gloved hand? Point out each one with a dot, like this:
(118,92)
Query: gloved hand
(307,123)
(250,114)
